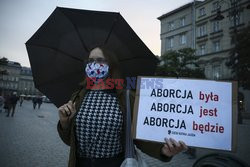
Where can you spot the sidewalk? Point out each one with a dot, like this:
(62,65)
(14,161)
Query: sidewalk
(30,139)
(243,150)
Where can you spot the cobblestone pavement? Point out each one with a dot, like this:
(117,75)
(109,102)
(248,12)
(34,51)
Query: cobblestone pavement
(30,139)
(242,153)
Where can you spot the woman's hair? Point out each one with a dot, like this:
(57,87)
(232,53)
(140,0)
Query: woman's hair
(114,70)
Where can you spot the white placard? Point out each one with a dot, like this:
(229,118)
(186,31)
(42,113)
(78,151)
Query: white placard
(198,112)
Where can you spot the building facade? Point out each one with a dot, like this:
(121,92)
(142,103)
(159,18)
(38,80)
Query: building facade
(177,28)
(212,37)
(26,85)
(15,78)
(9,77)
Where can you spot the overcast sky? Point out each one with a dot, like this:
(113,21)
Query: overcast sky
(19,20)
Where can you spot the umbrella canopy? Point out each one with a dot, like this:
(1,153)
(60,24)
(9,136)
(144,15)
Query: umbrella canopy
(59,47)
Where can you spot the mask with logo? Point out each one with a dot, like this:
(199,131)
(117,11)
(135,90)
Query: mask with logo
(96,70)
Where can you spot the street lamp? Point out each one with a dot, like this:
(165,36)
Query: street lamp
(219,16)
(234,13)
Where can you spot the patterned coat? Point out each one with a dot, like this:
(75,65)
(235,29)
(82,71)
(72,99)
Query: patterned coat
(68,135)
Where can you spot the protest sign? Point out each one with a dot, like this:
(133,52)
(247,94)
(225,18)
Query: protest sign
(202,113)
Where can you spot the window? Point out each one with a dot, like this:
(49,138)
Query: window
(216,26)
(216,46)
(182,21)
(236,19)
(202,30)
(202,49)
(171,42)
(171,26)
(216,72)
(216,6)
(183,39)
(202,11)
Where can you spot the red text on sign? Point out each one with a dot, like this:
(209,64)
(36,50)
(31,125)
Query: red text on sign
(208,97)
(208,127)
(208,112)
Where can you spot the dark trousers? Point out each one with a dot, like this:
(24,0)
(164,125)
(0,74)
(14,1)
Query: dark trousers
(100,162)
(39,105)
(34,105)
(11,108)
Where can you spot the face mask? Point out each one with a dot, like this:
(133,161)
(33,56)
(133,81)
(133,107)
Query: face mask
(97,70)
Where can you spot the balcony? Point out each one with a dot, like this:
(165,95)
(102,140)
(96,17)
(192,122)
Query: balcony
(202,38)
(216,34)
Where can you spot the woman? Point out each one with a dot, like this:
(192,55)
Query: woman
(91,123)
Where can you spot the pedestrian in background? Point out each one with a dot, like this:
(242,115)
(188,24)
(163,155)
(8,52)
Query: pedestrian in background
(34,101)
(39,101)
(13,101)
(1,101)
(6,102)
(21,98)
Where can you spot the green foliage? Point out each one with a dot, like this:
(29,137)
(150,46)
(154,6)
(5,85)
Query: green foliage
(181,63)
(239,60)
(4,60)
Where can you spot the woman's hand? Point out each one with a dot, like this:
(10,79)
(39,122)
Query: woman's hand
(66,113)
(172,147)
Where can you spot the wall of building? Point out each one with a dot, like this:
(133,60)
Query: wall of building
(14,78)
(177,30)
(213,58)
(9,77)
(26,84)
(216,35)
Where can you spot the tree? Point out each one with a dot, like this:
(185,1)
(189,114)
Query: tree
(181,63)
(3,60)
(239,60)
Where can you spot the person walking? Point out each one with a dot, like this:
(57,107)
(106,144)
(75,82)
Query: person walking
(12,107)
(39,101)
(91,123)
(1,101)
(34,101)
(21,98)
(6,103)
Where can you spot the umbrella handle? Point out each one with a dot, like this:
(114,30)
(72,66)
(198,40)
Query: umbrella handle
(129,149)
(77,95)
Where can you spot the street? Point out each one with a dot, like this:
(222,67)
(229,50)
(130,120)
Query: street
(30,139)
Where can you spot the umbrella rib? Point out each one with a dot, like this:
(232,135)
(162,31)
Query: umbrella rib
(77,31)
(115,21)
(57,50)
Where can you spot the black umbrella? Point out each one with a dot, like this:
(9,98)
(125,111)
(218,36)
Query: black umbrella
(59,47)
